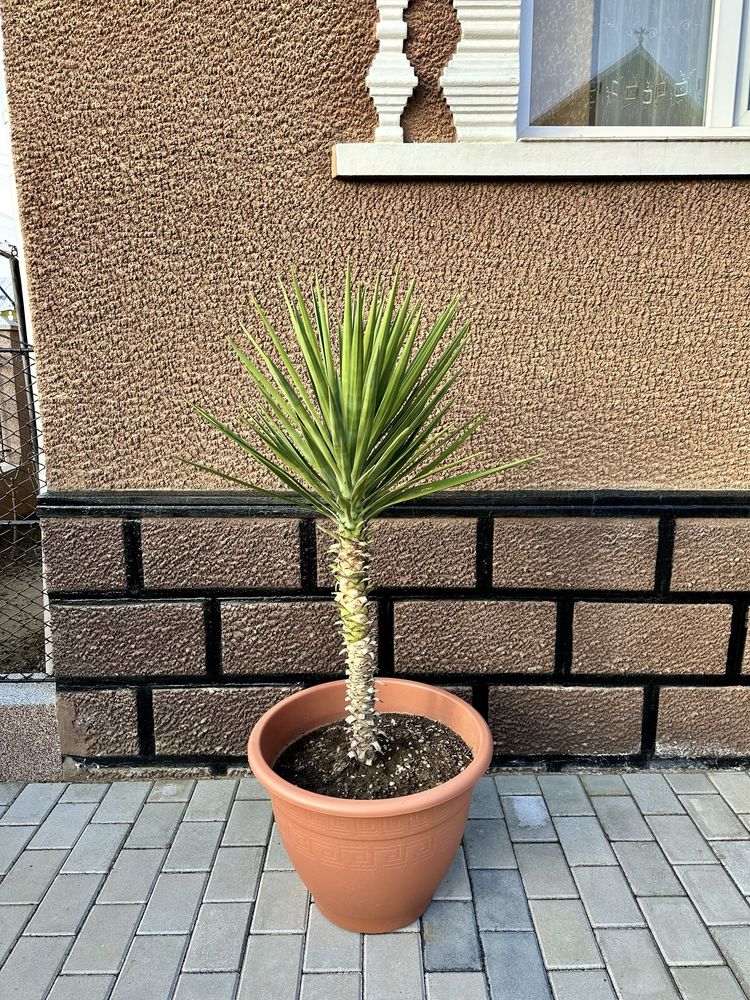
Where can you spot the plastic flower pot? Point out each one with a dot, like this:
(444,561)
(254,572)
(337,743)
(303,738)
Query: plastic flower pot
(371,866)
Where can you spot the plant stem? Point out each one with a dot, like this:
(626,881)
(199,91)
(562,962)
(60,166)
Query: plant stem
(351,552)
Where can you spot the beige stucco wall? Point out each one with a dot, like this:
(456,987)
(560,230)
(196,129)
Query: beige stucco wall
(172,156)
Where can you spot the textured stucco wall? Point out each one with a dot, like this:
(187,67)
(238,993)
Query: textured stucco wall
(169,157)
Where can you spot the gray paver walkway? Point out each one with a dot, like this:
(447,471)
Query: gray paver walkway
(574,886)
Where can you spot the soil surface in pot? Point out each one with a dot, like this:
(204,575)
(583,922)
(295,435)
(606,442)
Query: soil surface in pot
(417,754)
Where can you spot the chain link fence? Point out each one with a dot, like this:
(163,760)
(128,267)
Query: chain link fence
(22,608)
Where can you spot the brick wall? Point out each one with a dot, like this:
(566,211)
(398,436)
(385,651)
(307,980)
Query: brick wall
(584,627)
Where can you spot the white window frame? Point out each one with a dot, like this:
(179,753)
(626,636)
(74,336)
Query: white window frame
(720,147)
(723,91)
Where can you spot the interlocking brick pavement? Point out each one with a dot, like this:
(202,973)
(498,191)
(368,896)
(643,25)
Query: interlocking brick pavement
(567,887)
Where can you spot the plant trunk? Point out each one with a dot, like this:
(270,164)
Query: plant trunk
(351,552)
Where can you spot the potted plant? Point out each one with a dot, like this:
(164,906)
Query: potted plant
(370,781)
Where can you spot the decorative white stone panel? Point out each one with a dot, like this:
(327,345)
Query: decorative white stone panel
(391,79)
(481,81)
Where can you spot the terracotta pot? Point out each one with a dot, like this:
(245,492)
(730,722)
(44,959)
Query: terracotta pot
(372,866)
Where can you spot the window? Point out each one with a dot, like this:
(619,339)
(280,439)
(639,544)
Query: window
(541,88)
(632,68)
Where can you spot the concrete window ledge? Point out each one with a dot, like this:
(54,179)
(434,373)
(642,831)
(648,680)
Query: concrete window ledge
(545,158)
(29,738)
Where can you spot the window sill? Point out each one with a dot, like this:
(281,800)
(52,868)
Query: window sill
(545,158)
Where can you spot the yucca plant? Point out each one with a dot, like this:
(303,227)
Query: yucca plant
(359,426)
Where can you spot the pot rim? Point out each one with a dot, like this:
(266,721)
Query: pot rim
(414,802)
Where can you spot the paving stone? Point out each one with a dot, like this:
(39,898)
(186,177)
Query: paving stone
(393,967)
(96,848)
(206,986)
(81,988)
(13,839)
(714,818)
(30,876)
(330,948)
(635,965)
(156,825)
(104,939)
(63,909)
(63,826)
(647,870)
(545,872)
(485,803)
(211,800)
(171,791)
(456,883)
(85,791)
(194,847)
(652,793)
(565,795)
(271,969)
(714,894)
(679,932)
(620,818)
(604,784)
(527,818)
(132,876)
(454,985)
(282,904)
(31,967)
(487,844)
(31,806)
(689,782)
(514,966)
(276,857)
(218,938)
(583,984)
(707,984)
(8,791)
(517,784)
(564,933)
(249,824)
(607,898)
(151,968)
(251,788)
(450,938)
(735,947)
(123,802)
(680,840)
(735,856)
(12,921)
(499,901)
(734,786)
(173,903)
(234,875)
(583,841)
(331,986)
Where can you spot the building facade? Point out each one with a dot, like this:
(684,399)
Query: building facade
(172,159)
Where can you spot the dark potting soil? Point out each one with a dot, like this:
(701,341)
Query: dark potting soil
(417,754)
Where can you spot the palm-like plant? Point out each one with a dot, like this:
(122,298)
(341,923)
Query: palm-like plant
(360,426)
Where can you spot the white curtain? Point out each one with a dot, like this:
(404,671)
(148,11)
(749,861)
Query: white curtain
(620,62)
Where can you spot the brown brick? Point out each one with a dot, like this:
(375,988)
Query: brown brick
(703,722)
(124,640)
(98,723)
(461,691)
(474,636)
(585,553)
(711,554)
(83,553)
(222,552)
(210,720)
(650,638)
(415,552)
(272,637)
(566,720)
